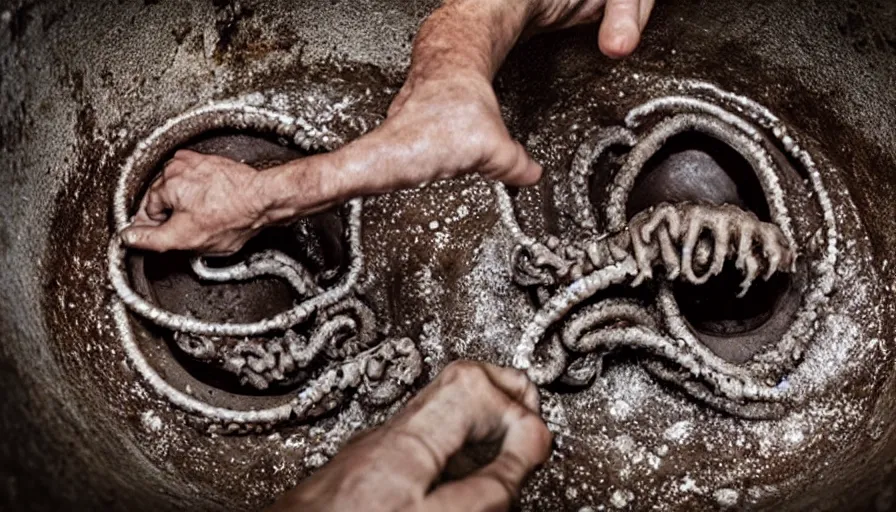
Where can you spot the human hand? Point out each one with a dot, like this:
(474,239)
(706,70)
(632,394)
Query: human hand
(439,126)
(621,21)
(203,202)
(395,466)
(622,25)
(446,117)
(444,122)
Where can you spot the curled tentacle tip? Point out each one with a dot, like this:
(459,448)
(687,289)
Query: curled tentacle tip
(539,376)
(522,361)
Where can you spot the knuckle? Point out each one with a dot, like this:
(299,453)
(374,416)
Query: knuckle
(132,234)
(464,373)
(539,427)
(520,376)
(505,157)
(540,434)
(161,245)
(528,386)
(160,183)
(455,368)
(197,240)
(219,250)
(519,414)
(529,421)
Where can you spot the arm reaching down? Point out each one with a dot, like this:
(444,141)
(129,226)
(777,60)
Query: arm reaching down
(444,122)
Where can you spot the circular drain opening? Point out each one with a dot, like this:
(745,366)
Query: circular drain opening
(698,168)
(170,283)
(327,341)
(695,167)
(700,304)
(719,366)
(738,328)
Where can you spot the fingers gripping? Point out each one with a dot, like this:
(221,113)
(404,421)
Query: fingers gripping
(152,229)
(158,201)
(176,232)
(514,166)
(496,486)
(188,156)
(525,171)
(473,403)
(515,384)
(646,9)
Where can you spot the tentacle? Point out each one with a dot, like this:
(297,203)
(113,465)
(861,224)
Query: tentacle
(321,338)
(554,365)
(583,370)
(685,236)
(722,247)
(535,264)
(325,392)
(362,334)
(143,162)
(695,224)
(270,262)
(605,315)
(680,238)
(390,370)
(561,303)
(671,261)
(400,365)
(582,168)
(645,254)
(198,347)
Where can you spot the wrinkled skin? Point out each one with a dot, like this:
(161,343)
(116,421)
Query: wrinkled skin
(444,122)
(395,466)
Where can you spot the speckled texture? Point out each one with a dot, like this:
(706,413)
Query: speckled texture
(81,84)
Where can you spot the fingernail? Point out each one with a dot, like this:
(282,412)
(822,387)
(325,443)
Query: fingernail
(127,237)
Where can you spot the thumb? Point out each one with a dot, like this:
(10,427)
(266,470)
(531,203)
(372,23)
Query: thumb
(620,30)
(174,234)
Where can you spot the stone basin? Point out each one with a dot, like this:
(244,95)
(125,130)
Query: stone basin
(81,86)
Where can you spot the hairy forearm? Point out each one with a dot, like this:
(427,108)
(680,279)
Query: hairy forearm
(445,122)
(478,34)
(462,41)
(469,35)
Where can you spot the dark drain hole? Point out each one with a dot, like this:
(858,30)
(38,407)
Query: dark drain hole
(695,167)
(317,242)
(731,315)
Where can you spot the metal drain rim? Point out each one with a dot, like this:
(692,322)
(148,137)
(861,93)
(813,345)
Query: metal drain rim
(738,382)
(233,114)
(184,127)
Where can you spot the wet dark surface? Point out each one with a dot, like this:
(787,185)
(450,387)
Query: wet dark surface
(80,84)
(738,328)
